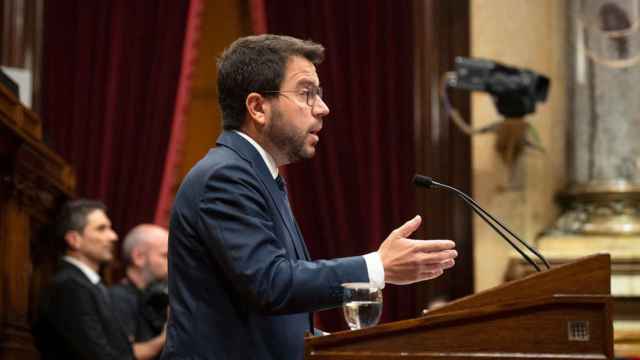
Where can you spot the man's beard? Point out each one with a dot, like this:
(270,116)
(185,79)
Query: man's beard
(147,274)
(285,138)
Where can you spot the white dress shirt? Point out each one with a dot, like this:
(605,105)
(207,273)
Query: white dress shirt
(89,272)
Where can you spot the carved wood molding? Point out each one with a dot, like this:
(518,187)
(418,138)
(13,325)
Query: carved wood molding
(17,338)
(30,172)
(36,180)
(19,117)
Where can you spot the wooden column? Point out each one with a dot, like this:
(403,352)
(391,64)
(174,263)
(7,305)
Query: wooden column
(33,183)
(442,150)
(21,39)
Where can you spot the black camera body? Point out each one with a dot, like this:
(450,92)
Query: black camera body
(155,300)
(514,91)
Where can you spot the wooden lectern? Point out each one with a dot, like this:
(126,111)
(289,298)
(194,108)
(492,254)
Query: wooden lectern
(562,313)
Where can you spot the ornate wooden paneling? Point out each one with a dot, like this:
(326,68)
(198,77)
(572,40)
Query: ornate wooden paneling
(33,182)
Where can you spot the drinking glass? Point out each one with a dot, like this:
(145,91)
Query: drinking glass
(362,305)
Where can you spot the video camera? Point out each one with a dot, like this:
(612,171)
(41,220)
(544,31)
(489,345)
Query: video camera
(515,91)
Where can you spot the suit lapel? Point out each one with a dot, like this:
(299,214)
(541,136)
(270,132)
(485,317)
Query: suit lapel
(304,245)
(243,148)
(103,307)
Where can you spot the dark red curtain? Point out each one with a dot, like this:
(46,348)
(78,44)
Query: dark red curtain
(358,187)
(111,71)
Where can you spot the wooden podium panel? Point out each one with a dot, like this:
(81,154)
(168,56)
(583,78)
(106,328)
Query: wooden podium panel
(34,181)
(563,313)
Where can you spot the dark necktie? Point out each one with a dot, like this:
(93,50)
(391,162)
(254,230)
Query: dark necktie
(104,291)
(282,185)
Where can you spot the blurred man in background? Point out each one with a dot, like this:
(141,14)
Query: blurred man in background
(140,299)
(76,318)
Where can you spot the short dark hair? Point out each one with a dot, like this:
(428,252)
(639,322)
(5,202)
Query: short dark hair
(73,216)
(254,64)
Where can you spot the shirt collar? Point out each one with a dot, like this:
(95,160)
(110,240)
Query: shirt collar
(266,157)
(89,272)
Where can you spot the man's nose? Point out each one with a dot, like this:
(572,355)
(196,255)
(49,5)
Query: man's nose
(320,108)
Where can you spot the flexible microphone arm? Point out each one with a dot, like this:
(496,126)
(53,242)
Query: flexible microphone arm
(428,182)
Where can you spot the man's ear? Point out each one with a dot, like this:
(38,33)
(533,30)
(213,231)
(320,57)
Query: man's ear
(138,256)
(257,108)
(73,239)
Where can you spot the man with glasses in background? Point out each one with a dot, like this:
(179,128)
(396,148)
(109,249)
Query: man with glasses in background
(241,282)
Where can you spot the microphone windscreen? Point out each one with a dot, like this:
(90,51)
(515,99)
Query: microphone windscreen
(422,180)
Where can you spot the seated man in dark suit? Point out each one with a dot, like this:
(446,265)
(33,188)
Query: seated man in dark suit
(241,282)
(76,320)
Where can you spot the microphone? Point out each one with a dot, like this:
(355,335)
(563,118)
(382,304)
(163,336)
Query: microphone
(429,183)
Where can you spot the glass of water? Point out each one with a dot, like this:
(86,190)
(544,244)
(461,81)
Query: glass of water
(362,305)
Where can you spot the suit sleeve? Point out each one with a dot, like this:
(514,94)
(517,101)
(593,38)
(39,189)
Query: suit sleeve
(239,232)
(74,315)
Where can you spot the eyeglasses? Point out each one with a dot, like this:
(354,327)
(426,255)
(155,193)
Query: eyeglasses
(312,93)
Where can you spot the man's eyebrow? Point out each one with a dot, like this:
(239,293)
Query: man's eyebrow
(305,82)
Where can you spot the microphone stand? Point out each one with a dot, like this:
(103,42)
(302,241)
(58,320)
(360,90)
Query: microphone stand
(425,181)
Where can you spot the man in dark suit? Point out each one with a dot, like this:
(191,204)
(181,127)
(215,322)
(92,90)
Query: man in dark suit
(75,319)
(241,282)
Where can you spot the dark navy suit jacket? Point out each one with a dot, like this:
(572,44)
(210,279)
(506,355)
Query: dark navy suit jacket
(240,285)
(76,321)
